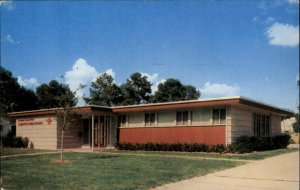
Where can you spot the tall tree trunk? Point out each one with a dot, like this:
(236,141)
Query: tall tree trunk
(62,145)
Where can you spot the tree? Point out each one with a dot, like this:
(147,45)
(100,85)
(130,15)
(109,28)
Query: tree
(65,118)
(14,97)
(65,115)
(136,90)
(191,93)
(54,95)
(104,92)
(174,90)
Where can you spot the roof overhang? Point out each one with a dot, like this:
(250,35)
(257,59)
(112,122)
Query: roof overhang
(235,100)
(175,105)
(53,111)
(225,101)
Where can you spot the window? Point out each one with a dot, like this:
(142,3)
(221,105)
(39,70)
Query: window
(182,117)
(149,119)
(200,117)
(219,116)
(122,119)
(165,118)
(261,125)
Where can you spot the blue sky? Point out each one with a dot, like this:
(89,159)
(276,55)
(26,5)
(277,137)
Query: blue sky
(224,48)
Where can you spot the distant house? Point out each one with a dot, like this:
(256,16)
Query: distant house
(287,125)
(212,121)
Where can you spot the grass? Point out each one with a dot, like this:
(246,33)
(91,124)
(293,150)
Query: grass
(12,151)
(100,171)
(113,171)
(250,156)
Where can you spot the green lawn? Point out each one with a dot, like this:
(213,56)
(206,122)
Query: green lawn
(11,151)
(250,156)
(99,171)
(113,171)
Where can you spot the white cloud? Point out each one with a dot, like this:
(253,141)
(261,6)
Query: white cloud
(219,90)
(270,20)
(8,38)
(283,35)
(110,72)
(81,74)
(293,1)
(7,4)
(254,19)
(154,79)
(262,5)
(29,83)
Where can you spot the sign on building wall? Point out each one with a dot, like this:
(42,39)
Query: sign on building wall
(35,121)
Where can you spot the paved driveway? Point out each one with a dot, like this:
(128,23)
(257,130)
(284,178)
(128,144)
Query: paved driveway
(280,172)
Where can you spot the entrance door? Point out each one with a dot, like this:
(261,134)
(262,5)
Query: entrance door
(101,131)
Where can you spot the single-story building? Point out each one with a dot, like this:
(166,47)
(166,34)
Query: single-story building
(211,121)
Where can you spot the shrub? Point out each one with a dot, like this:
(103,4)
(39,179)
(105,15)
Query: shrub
(25,142)
(281,141)
(242,145)
(15,142)
(18,143)
(261,143)
(8,141)
(31,145)
(218,148)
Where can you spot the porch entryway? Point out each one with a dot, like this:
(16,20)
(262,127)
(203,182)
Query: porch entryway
(97,132)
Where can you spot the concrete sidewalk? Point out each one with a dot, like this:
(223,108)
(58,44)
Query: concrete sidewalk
(280,172)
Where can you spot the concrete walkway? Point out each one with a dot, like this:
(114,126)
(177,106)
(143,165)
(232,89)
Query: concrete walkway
(280,172)
(31,154)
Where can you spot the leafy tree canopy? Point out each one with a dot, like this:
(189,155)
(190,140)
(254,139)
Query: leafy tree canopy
(54,95)
(174,90)
(104,92)
(136,90)
(14,97)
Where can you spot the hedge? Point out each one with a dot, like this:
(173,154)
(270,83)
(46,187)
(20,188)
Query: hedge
(11,141)
(243,144)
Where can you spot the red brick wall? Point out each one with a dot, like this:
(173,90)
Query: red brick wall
(208,134)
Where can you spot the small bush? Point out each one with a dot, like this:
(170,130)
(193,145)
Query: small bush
(18,143)
(31,146)
(10,141)
(281,141)
(261,143)
(242,144)
(220,148)
(25,142)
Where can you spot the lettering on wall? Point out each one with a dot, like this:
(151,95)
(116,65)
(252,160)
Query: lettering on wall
(49,120)
(34,121)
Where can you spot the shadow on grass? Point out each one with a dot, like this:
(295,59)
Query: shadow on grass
(100,157)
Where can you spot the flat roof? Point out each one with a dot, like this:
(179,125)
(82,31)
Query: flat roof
(202,102)
(86,108)
(164,105)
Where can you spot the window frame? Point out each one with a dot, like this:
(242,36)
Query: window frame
(150,116)
(261,125)
(198,118)
(121,119)
(181,119)
(219,120)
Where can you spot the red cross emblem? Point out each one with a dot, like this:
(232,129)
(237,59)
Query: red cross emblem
(49,120)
